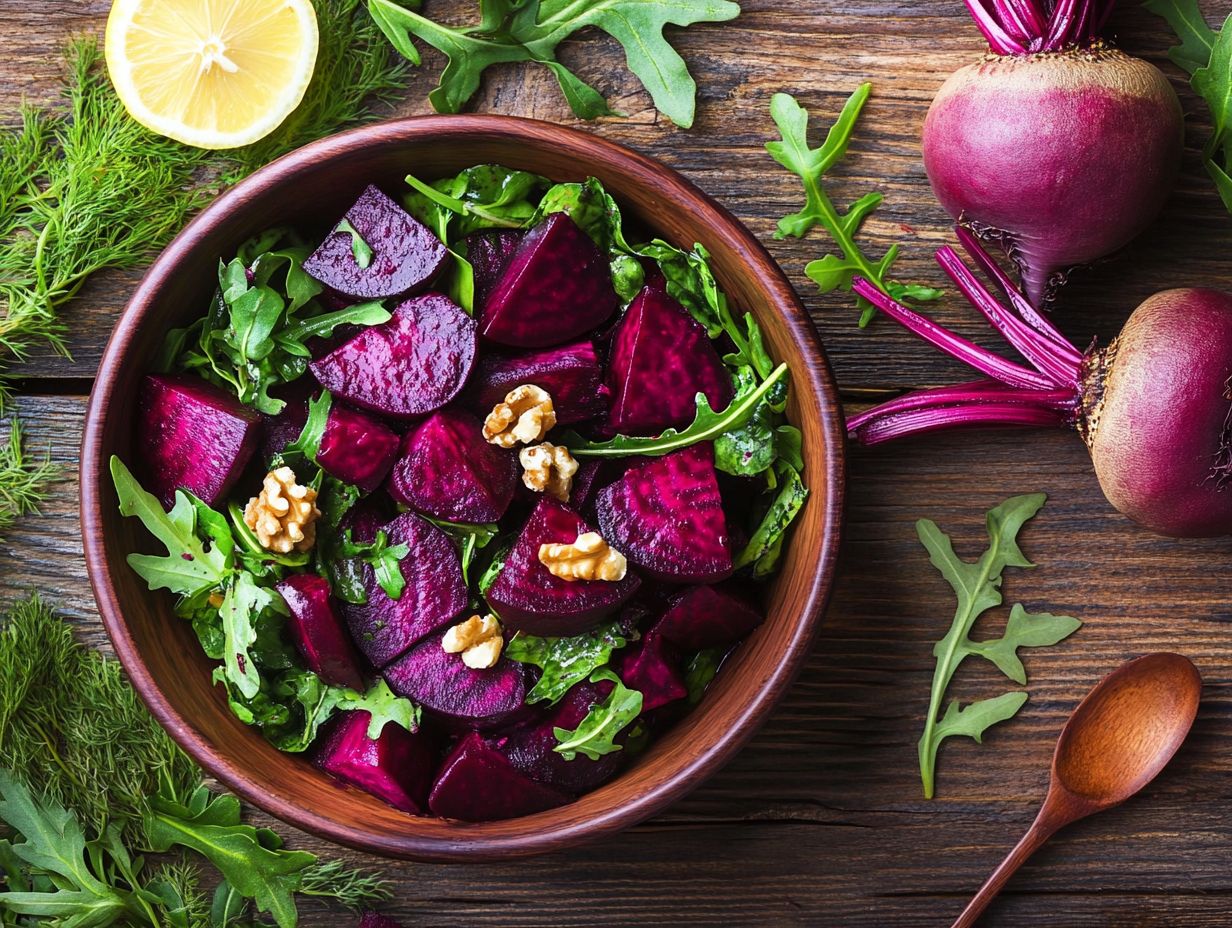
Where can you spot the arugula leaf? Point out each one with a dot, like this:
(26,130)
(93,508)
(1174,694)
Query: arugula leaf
(833,272)
(978,588)
(530,30)
(567,661)
(596,733)
(189,567)
(243,601)
(765,544)
(384,559)
(707,425)
(383,705)
(361,251)
(1186,20)
(702,668)
(484,196)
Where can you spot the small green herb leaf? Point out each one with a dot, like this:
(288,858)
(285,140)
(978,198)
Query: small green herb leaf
(308,443)
(595,735)
(361,251)
(1186,20)
(1024,630)
(973,720)
(701,669)
(384,559)
(567,661)
(762,549)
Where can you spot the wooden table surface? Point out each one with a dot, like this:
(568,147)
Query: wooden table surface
(820,821)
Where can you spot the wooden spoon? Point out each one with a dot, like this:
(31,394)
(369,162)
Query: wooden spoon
(1116,742)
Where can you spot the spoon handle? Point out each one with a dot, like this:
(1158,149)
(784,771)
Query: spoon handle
(1043,828)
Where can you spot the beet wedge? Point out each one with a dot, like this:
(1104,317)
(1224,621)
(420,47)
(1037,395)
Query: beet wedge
(192,436)
(477,783)
(653,669)
(409,366)
(556,287)
(488,254)
(708,617)
(395,255)
(449,471)
(356,448)
(570,373)
(318,632)
(661,359)
(456,694)
(396,767)
(666,516)
(434,595)
(530,599)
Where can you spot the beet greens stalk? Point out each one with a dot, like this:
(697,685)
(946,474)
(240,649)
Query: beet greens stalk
(1154,406)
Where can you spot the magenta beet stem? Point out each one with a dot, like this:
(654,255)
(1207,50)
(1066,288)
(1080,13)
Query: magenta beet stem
(1022,27)
(975,393)
(874,431)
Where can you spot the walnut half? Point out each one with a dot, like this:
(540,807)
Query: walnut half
(548,468)
(284,515)
(478,640)
(525,416)
(588,558)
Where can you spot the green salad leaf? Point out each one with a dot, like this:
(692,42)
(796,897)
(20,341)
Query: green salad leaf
(530,30)
(361,251)
(702,668)
(567,661)
(596,733)
(384,559)
(978,588)
(834,271)
(1187,21)
(788,498)
(485,196)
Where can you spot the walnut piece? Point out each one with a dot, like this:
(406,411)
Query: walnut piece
(548,468)
(284,515)
(588,558)
(525,416)
(478,640)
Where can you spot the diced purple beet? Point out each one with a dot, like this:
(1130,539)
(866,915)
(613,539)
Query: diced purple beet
(318,632)
(528,598)
(531,747)
(488,254)
(411,365)
(192,436)
(477,784)
(280,430)
(435,592)
(661,359)
(396,767)
(356,448)
(555,287)
(665,515)
(708,617)
(377,920)
(459,695)
(570,373)
(585,482)
(405,253)
(653,669)
(447,470)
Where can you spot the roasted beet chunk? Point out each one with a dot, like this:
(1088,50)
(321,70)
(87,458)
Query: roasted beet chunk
(193,436)
(317,631)
(477,784)
(653,669)
(570,373)
(489,254)
(458,695)
(405,255)
(528,598)
(556,287)
(356,448)
(665,515)
(708,617)
(384,628)
(396,767)
(661,359)
(411,365)
(449,471)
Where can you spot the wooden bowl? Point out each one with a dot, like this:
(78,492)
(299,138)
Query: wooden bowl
(311,187)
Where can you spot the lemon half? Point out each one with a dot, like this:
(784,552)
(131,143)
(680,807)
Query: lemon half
(211,73)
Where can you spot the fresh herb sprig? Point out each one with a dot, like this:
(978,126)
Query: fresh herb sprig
(834,272)
(978,588)
(23,480)
(531,30)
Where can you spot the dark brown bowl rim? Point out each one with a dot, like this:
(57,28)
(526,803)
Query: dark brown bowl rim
(473,845)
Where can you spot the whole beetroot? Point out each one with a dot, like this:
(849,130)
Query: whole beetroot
(1055,144)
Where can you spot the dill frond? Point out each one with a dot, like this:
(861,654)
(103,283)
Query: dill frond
(185,880)
(349,886)
(23,482)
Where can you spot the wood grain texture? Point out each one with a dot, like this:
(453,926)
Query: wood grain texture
(819,821)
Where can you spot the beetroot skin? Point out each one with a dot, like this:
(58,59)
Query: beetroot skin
(449,471)
(396,767)
(456,694)
(356,448)
(192,436)
(477,784)
(570,373)
(666,516)
(556,287)
(405,254)
(317,631)
(661,359)
(411,365)
(1063,157)
(435,593)
(708,617)
(530,599)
